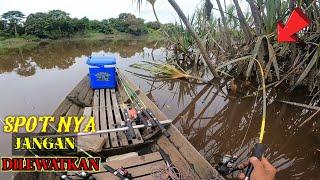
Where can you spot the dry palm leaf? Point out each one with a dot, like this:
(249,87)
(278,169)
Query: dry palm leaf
(313,61)
(165,71)
(254,55)
(272,60)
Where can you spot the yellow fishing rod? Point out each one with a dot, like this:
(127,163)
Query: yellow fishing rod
(259,148)
(226,167)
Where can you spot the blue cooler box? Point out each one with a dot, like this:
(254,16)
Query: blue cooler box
(102,72)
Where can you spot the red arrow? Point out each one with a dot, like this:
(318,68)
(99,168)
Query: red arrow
(297,21)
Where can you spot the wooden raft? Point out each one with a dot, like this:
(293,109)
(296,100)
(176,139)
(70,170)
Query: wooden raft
(108,113)
(140,167)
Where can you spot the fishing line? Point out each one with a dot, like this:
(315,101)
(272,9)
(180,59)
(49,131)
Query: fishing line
(251,117)
(259,148)
(133,93)
(226,165)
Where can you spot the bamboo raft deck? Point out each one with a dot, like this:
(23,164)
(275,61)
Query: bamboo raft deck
(107,106)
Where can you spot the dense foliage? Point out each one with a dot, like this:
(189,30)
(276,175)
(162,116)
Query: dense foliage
(58,24)
(241,39)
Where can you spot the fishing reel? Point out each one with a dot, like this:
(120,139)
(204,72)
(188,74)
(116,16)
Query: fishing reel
(226,165)
(123,172)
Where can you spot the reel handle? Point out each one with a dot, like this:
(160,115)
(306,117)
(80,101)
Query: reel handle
(257,152)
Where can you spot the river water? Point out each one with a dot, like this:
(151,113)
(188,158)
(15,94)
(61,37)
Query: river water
(34,80)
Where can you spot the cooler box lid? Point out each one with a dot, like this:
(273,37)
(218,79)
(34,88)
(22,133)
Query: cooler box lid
(101,60)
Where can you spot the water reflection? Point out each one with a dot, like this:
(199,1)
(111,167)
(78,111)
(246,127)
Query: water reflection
(62,55)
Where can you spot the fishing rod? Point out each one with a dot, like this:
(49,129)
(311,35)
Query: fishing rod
(125,128)
(151,117)
(137,104)
(158,123)
(259,148)
(141,107)
(226,166)
(136,100)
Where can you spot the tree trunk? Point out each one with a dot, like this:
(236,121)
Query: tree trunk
(256,17)
(15,30)
(208,8)
(200,44)
(224,22)
(152,2)
(155,14)
(243,23)
(317,16)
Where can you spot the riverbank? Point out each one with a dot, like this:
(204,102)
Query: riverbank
(13,43)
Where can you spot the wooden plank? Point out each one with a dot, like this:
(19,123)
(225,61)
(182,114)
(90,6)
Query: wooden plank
(113,135)
(63,108)
(87,114)
(103,117)
(81,111)
(141,170)
(92,143)
(88,98)
(148,177)
(46,176)
(123,106)
(96,98)
(75,92)
(35,176)
(104,176)
(177,159)
(73,111)
(137,166)
(95,109)
(145,169)
(187,150)
(82,95)
(137,160)
(122,136)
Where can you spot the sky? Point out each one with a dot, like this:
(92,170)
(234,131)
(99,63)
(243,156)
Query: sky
(102,9)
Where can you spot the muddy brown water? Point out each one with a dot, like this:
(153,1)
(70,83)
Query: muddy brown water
(34,80)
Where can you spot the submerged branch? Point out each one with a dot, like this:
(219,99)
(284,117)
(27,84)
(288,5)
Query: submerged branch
(305,106)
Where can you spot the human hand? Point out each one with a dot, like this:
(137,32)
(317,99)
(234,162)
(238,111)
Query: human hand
(263,170)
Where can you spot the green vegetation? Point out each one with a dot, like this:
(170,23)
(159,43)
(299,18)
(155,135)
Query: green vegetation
(17,30)
(232,43)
